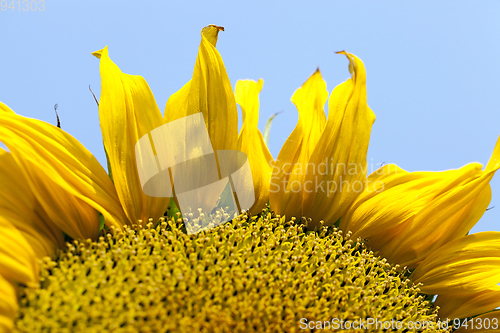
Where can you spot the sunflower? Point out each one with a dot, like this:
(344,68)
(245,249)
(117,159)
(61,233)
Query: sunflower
(322,244)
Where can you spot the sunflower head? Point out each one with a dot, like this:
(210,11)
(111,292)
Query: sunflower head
(253,274)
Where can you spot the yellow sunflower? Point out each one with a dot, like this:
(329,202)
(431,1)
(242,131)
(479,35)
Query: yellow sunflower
(125,267)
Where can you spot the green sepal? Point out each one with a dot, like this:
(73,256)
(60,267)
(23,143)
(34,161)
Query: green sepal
(101,221)
(172,209)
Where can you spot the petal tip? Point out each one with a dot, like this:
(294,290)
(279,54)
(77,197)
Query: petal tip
(211,32)
(494,162)
(218,27)
(98,53)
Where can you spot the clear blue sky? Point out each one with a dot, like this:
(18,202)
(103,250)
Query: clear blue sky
(432,67)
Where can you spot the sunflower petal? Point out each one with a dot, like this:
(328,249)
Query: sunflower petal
(370,213)
(19,205)
(466,265)
(290,170)
(444,219)
(467,305)
(8,305)
(494,162)
(210,93)
(407,216)
(45,239)
(412,214)
(342,148)
(251,142)
(127,112)
(18,263)
(62,174)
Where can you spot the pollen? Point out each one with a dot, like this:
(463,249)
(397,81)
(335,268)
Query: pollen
(253,274)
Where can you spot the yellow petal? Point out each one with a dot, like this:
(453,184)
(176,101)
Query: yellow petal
(406,216)
(485,323)
(210,93)
(374,210)
(127,112)
(342,148)
(415,213)
(44,238)
(466,265)
(19,205)
(288,187)
(97,53)
(178,104)
(251,142)
(66,179)
(494,162)
(18,263)
(467,305)
(8,305)
(211,33)
(444,219)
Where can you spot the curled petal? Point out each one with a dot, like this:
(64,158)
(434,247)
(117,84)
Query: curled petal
(210,93)
(466,265)
(251,142)
(339,157)
(127,112)
(288,188)
(207,95)
(66,179)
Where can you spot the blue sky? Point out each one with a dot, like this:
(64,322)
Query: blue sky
(432,67)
